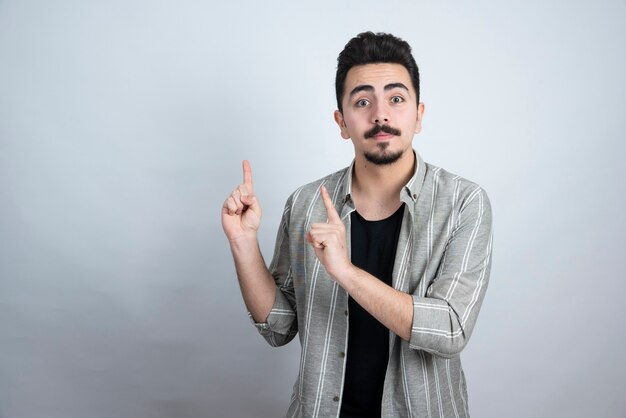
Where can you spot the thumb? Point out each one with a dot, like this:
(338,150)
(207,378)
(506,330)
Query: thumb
(249,200)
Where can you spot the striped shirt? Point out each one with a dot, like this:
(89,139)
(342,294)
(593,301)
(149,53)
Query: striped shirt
(443,260)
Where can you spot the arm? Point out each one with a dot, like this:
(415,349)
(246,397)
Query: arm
(391,307)
(241,218)
(442,321)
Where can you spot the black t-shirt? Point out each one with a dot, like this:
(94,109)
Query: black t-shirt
(373,247)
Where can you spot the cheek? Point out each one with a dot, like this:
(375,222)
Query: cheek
(353,122)
(409,119)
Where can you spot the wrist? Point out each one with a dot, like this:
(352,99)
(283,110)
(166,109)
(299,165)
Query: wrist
(345,275)
(244,242)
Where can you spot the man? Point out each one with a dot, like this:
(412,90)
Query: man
(381,267)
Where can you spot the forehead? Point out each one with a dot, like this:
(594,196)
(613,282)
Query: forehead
(377,76)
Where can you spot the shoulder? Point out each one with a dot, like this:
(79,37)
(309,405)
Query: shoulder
(444,180)
(446,185)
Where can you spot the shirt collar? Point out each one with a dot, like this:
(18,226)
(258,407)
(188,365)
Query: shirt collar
(409,192)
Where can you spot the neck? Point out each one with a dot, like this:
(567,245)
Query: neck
(381,180)
(376,188)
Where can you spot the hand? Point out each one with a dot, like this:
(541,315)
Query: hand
(241,212)
(329,240)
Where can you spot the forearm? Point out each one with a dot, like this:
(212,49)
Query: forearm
(391,307)
(258,288)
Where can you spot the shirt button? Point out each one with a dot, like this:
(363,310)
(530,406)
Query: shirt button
(346,312)
(336,399)
(342,354)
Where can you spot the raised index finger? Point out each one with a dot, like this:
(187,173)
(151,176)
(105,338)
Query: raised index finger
(247,175)
(333,216)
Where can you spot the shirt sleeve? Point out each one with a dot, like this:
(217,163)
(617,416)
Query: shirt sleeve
(443,320)
(281,325)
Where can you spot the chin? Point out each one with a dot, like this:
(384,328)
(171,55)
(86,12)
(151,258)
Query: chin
(384,158)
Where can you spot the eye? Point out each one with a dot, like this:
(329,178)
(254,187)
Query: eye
(362,103)
(397,99)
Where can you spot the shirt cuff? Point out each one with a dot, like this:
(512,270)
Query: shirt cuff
(261,326)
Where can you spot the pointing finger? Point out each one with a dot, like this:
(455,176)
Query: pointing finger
(333,216)
(247,175)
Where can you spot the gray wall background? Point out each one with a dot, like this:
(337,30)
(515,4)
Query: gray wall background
(122,129)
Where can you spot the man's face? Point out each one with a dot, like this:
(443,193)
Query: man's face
(380,112)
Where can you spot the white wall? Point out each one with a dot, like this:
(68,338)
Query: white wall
(122,128)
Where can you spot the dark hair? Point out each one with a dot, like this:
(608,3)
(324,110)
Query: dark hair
(374,48)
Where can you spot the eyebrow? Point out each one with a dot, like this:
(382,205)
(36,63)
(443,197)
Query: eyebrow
(369,88)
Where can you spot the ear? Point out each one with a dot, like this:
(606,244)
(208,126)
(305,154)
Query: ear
(420,116)
(342,124)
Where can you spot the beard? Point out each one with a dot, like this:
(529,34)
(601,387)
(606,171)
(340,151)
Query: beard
(383,157)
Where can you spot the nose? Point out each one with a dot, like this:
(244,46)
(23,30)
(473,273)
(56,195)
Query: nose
(380,114)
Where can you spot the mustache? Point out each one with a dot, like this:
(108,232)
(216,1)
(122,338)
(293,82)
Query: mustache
(381,128)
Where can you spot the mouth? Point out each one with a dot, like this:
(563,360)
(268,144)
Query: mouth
(382,136)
